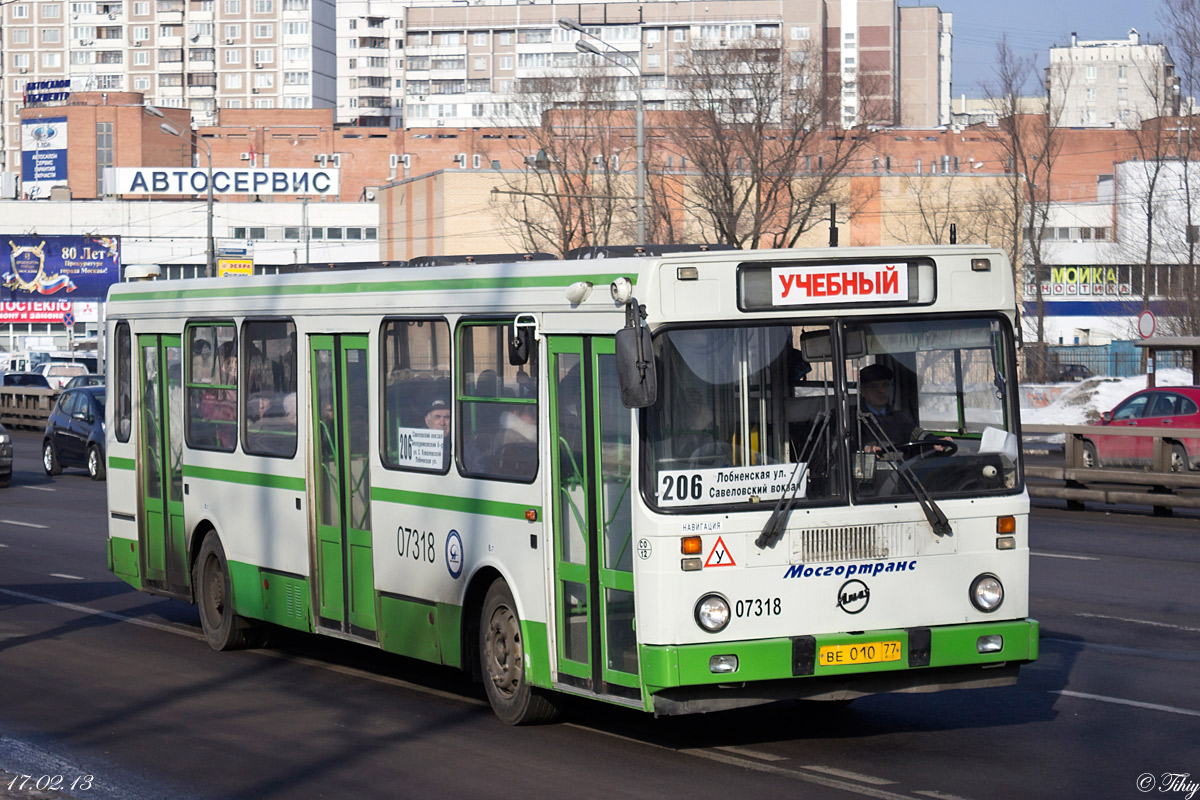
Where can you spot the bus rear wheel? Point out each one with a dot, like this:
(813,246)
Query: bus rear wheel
(223,629)
(502,659)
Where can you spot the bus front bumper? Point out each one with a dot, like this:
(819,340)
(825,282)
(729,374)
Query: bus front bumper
(681,679)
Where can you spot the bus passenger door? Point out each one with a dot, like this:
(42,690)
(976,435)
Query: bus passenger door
(160,462)
(593,548)
(343,564)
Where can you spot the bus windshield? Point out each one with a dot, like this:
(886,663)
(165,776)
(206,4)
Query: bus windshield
(748,414)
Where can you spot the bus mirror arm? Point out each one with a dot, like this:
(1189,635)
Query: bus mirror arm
(635,359)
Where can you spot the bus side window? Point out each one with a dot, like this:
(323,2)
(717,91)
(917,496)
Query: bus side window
(497,405)
(212,387)
(416,394)
(269,355)
(123,369)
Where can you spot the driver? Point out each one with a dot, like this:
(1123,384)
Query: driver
(875,393)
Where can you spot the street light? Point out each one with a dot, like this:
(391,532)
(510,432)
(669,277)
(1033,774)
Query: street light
(587,46)
(210,263)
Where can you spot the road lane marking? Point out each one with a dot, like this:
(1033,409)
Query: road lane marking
(1118,701)
(854,776)
(745,751)
(807,777)
(939,795)
(1064,555)
(64,575)
(21,524)
(1140,622)
(40,488)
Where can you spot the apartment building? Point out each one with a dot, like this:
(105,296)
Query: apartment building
(1112,82)
(460,64)
(202,55)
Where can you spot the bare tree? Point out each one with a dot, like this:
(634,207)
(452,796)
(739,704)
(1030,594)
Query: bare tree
(575,189)
(932,202)
(1030,142)
(764,159)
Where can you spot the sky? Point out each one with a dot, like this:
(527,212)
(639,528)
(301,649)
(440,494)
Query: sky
(979,24)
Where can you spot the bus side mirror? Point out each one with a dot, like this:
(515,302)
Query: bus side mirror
(519,340)
(636,373)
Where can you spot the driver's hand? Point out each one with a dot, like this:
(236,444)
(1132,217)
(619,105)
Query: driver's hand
(941,448)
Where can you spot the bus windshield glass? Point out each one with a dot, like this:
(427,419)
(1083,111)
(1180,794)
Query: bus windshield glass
(746,415)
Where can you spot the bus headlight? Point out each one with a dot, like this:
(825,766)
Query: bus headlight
(987,593)
(712,613)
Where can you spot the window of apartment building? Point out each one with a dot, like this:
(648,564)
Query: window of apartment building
(169,80)
(108,82)
(233,103)
(168,31)
(204,5)
(712,31)
(83,8)
(233,6)
(52,60)
(449,63)
(142,83)
(264,80)
(208,79)
(504,38)
(303,101)
(448,87)
(20,36)
(198,29)
(110,57)
(20,12)
(141,33)
(233,32)
(264,56)
(295,53)
(297,5)
(141,58)
(479,63)
(652,35)
(505,86)
(479,39)
(50,10)
(170,56)
(505,63)
(233,56)
(352,63)
(51,36)
(141,9)
(678,59)
(766,31)
(679,34)
(1091,72)
(479,85)
(654,61)
(534,36)
(741,31)
(527,60)
(418,63)
(202,54)
(233,80)
(418,39)
(418,87)
(377,61)
(353,24)
(104,152)
(450,38)
(295,78)
(264,31)
(264,6)
(83,57)
(295,28)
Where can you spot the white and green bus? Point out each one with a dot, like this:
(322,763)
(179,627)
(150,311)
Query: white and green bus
(678,483)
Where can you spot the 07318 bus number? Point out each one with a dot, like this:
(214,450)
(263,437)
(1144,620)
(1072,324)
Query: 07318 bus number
(758,607)
(415,544)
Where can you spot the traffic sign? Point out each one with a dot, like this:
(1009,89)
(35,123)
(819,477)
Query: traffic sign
(1146,324)
(69,319)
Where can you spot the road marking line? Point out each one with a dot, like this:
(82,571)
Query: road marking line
(1064,555)
(745,751)
(21,524)
(40,488)
(1140,622)
(939,795)
(807,777)
(192,633)
(854,776)
(1118,701)
(64,575)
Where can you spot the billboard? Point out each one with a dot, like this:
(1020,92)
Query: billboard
(43,155)
(73,267)
(142,181)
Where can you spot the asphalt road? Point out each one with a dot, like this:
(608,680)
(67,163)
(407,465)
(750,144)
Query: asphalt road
(99,680)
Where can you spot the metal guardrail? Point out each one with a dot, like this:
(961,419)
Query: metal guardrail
(26,407)
(1156,485)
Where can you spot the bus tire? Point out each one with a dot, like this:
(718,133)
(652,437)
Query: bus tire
(502,662)
(223,629)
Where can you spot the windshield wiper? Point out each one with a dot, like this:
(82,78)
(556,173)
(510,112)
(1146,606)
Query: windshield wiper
(777,522)
(937,519)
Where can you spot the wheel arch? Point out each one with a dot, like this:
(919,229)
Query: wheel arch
(472,606)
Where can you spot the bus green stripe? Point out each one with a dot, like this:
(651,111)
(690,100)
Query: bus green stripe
(245,478)
(468,505)
(359,287)
(121,463)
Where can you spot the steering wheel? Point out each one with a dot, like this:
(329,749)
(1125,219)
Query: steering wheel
(950,447)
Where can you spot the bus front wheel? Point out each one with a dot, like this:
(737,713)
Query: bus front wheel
(223,629)
(502,658)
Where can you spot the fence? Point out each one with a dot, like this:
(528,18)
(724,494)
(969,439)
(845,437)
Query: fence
(25,407)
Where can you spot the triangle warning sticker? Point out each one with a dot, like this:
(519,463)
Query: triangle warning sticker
(720,556)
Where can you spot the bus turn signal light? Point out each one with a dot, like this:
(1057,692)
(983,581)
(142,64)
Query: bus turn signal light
(690,545)
(1006,524)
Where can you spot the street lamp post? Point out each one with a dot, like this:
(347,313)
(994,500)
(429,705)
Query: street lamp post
(210,263)
(588,46)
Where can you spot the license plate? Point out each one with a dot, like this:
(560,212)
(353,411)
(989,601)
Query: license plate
(842,655)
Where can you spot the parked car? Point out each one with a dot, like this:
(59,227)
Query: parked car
(1074,372)
(1160,407)
(59,372)
(6,457)
(31,380)
(75,433)
(89,379)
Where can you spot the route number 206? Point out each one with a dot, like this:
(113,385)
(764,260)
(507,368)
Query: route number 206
(681,487)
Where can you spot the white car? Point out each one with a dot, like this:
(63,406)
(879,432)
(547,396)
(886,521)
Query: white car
(59,372)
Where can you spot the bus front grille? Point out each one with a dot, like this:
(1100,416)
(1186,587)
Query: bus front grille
(851,542)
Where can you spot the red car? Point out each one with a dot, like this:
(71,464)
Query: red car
(1161,407)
